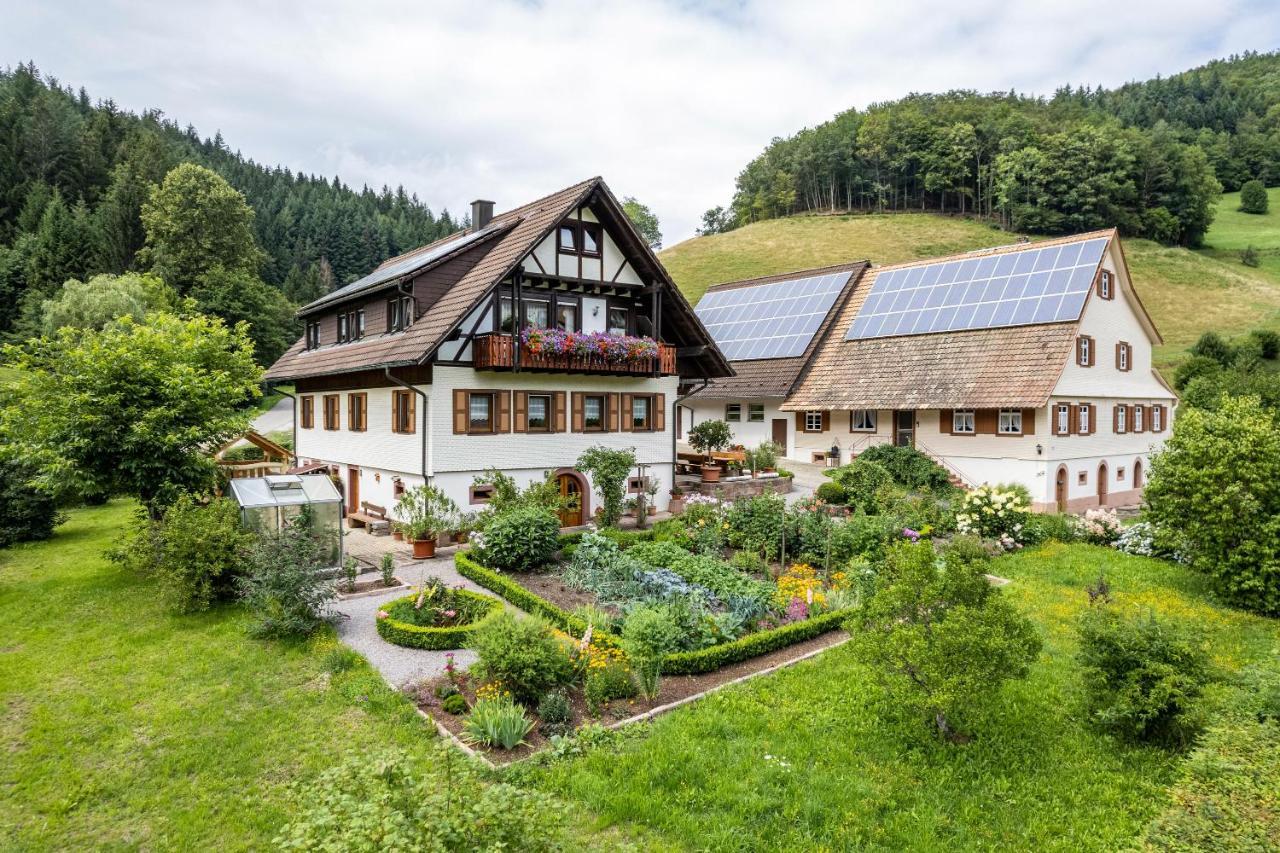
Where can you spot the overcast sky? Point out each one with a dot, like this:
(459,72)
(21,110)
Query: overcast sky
(512,100)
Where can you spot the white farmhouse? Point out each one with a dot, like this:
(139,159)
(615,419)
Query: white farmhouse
(1027,364)
(423,370)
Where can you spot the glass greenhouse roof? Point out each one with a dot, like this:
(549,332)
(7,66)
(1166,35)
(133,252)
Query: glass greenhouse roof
(284,490)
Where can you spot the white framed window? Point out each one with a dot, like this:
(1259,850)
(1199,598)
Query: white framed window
(862,420)
(1137,418)
(1156,425)
(1105,285)
(640,414)
(593,413)
(539,414)
(963,422)
(1010,422)
(813,421)
(480,412)
(1122,357)
(755,413)
(1084,351)
(1082,419)
(1064,419)
(1122,418)
(733,412)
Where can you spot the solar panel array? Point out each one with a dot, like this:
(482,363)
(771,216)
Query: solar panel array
(775,320)
(1031,286)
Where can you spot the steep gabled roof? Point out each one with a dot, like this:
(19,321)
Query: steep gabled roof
(1010,366)
(482,263)
(773,377)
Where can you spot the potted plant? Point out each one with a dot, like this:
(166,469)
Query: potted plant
(766,457)
(676,505)
(462,527)
(397,531)
(706,438)
(426,512)
(651,494)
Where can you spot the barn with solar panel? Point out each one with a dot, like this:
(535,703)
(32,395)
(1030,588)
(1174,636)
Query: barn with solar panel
(1028,363)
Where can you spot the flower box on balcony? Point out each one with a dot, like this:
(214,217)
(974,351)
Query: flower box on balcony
(554,350)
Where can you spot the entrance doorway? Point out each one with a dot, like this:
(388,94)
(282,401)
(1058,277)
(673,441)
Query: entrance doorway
(1060,489)
(571,488)
(780,434)
(1102,484)
(904,429)
(353,489)
(1137,474)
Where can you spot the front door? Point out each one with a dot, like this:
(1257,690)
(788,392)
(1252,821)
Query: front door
(1060,489)
(571,491)
(904,429)
(780,434)
(1102,484)
(353,489)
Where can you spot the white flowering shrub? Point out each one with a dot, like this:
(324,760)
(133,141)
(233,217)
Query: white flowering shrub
(1100,526)
(994,513)
(1144,539)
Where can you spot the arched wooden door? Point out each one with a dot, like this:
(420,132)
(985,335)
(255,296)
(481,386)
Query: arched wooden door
(570,489)
(1137,474)
(1102,484)
(1060,489)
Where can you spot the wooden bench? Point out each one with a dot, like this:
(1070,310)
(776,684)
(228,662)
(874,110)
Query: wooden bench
(371,517)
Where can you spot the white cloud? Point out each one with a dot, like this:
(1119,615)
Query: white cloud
(509,100)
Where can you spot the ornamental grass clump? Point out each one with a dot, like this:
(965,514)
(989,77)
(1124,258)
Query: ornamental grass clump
(496,721)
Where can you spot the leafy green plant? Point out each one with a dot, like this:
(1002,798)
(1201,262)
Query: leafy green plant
(454,703)
(522,653)
(195,551)
(648,634)
(940,638)
(350,570)
(554,713)
(709,436)
(387,802)
(284,588)
(756,523)
(863,481)
(1043,527)
(600,566)
(609,469)
(496,722)
(1253,197)
(27,513)
(1143,676)
(908,466)
(832,493)
(426,512)
(520,539)
(719,577)
(388,568)
(340,659)
(1217,483)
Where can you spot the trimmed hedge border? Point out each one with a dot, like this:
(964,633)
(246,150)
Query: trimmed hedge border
(677,663)
(428,637)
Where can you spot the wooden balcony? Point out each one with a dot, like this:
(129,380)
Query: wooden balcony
(497,352)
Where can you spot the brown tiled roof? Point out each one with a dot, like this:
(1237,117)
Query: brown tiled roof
(773,377)
(1016,366)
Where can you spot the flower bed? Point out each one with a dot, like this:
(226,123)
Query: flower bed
(441,621)
(612,349)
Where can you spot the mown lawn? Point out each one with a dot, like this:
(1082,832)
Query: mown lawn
(811,758)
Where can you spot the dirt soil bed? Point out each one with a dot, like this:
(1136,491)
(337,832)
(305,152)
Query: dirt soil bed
(551,586)
(672,688)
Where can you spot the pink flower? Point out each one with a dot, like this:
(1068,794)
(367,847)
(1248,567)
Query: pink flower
(382,614)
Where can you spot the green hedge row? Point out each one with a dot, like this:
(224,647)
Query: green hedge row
(677,663)
(752,645)
(426,637)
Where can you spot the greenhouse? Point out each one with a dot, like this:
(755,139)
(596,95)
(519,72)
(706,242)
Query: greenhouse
(268,504)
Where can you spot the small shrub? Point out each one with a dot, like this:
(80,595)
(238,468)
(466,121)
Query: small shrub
(756,523)
(832,493)
(749,562)
(521,539)
(863,480)
(522,653)
(1142,676)
(1100,526)
(1041,527)
(606,676)
(1266,342)
(388,569)
(455,704)
(648,634)
(435,617)
(27,514)
(195,552)
(553,709)
(1249,256)
(1253,197)
(350,571)
(1212,345)
(908,467)
(994,513)
(497,722)
(387,802)
(284,588)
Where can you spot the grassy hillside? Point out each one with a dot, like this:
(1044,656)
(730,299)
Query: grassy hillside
(1186,292)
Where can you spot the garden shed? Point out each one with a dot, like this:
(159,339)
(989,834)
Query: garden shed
(269,503)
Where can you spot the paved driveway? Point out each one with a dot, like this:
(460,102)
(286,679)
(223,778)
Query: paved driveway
(279,418)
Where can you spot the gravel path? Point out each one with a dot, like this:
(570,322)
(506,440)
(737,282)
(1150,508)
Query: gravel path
(398,664)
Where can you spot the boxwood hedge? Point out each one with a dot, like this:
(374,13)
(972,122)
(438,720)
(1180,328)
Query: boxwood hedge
(426,637)
(677,663)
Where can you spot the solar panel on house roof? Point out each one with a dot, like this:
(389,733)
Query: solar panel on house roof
(1027,287)
(404,266)
(775,320)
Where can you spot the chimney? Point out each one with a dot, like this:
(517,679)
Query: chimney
(481,213)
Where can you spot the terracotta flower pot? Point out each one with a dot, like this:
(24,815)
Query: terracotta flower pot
(676,506)
(424,549)
(397,534)
(653,510)
(461,536)
(710,473)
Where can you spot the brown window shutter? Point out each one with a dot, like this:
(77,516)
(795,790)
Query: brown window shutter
(1073,420)
(459,412)
(799,421)
(411,400)
(577,412)
(521,423)
(986,421)
(826,421)
(625,425)
(1028,421)
(946,420)
(1093,418)
(659,413)
(558,422)
(1093,352)
(1164,418)
(504,411)
(1115,418)
(1128,360)
(1119,347)
(611,408)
